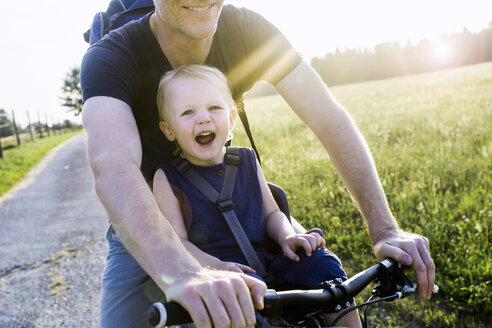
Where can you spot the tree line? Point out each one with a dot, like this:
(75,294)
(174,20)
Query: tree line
(391,59)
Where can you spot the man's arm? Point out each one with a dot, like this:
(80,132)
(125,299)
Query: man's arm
(308,96)
(115,155)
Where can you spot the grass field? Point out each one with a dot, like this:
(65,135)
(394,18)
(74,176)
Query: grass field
(16,162)
(431,138)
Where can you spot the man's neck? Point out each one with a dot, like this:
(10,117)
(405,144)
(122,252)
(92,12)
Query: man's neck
(179,50)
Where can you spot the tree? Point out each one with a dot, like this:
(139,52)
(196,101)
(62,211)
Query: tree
(6,127)
(72,92)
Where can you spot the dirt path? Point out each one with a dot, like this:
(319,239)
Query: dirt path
(52,245)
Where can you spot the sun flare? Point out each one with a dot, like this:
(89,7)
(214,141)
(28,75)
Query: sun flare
(442,50)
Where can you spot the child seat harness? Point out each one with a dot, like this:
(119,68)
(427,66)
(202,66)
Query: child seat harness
(223,200)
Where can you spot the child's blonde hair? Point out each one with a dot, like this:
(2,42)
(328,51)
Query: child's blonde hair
(211,74)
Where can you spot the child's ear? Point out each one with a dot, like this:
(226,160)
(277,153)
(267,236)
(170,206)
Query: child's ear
(232,120)
(232,117)
(167,130)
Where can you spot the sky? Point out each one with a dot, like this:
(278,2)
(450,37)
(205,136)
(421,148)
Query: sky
(41,40)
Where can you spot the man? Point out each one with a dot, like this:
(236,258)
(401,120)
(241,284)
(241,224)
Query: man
(119,78)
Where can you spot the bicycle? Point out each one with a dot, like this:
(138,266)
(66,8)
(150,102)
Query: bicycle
(305,307)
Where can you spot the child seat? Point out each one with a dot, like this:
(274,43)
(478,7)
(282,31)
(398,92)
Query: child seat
(281,200)
(223,200)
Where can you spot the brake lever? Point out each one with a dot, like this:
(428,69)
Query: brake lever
(393,283)
(407,286)
(394,277)
(435,288)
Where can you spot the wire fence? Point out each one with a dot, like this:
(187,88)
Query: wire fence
(35,130)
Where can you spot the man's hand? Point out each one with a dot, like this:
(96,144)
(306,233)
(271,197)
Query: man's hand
(409,249)
(234,267)
(309,242)
(219,298)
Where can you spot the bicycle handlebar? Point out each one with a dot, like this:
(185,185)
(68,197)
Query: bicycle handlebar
(168,314)
(331,295)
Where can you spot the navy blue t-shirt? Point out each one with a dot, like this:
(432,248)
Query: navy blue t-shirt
(128,63)
(205,225)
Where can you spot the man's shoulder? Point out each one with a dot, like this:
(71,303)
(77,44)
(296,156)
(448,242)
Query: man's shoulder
(234,20)
(231,10)
(131,35)
(117,54)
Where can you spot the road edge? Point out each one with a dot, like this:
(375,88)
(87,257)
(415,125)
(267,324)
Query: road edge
(33,173)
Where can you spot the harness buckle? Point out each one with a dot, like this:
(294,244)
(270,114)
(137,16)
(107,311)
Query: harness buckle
(225,205)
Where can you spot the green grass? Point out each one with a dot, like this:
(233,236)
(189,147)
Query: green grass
(431,138)
(16,162)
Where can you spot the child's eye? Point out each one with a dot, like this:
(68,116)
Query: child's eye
(187,112)
(215,108)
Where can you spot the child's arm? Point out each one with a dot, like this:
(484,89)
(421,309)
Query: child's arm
(169,206)
(280,229)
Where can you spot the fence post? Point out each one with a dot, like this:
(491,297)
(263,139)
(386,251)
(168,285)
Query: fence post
(1,126)
(30,125)
(15,129)
(53,126)
(47,127)
(40,127)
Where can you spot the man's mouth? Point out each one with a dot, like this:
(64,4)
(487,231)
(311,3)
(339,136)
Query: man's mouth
(205,138)
(198,8)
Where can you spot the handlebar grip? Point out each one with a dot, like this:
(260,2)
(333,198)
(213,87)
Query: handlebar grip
(168,314)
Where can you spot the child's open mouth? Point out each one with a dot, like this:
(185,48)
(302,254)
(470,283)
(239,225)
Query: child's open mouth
(205,138)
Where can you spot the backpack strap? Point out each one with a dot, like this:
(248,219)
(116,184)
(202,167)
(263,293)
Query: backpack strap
(224,202)
(245,122)
(118,13)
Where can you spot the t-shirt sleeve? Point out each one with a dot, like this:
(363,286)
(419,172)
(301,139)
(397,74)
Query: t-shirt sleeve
(270,53)
(106,70)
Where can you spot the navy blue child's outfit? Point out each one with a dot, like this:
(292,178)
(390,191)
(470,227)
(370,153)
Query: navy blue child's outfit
(207,229)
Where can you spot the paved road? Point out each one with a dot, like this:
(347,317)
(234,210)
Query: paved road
(52,245)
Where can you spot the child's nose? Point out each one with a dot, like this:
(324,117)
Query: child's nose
(203,117)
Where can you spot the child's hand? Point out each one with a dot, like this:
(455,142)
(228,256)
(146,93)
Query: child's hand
(235,267)
(309,242)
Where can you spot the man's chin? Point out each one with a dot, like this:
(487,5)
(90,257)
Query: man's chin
(200,31)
